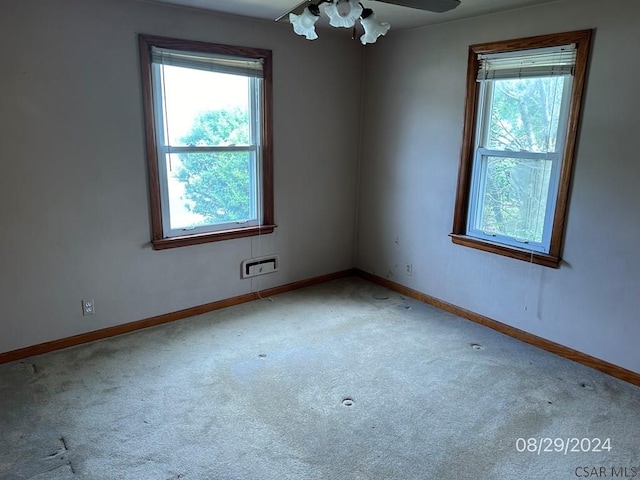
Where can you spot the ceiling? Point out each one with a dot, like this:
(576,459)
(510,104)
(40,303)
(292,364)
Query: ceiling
(398,17)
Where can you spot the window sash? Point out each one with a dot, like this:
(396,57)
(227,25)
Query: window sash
(254,201)
(255,114)
(485,103)
(478,186)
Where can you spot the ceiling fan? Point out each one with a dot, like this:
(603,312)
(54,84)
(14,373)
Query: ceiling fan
(438,6)
(344,13)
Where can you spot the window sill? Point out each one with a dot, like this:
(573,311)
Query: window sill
(512,252)
(185,241)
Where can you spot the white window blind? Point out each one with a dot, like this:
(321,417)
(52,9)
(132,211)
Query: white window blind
(204,61)
(540,62)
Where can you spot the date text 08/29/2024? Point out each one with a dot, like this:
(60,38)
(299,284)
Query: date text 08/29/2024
(572,445)
(564,446)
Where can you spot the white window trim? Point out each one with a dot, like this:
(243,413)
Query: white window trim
(479,167)
(163,149)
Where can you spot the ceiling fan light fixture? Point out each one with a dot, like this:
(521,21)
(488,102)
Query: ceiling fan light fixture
(372,27)
(305,23)
(343,13)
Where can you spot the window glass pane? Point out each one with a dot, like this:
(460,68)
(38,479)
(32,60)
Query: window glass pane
(524,114)
(514,198)
(211,188)
(205,108)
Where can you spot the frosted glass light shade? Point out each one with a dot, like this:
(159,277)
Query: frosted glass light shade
(305,24)
(343,13)
(373,29)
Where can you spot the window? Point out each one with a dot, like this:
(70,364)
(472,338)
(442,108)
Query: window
(521,122)
(209,140)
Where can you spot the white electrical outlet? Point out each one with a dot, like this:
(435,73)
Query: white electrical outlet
(408,269)
(88,307)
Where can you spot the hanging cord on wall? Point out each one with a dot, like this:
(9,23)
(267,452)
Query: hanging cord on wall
(257,292)
(257,238)
(552,114)
(253,253)
(529,276)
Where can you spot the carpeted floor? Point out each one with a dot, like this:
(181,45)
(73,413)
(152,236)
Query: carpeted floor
(345,380)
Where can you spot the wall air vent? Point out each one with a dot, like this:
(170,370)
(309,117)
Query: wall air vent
(260,266)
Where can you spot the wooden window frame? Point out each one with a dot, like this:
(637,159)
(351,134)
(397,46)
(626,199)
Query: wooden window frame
(582,40)
(267,225)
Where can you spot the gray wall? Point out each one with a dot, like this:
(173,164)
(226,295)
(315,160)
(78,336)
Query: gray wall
(413,113)
(75,221)
(75,211)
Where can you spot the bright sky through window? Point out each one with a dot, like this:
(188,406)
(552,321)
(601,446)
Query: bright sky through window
(184,99)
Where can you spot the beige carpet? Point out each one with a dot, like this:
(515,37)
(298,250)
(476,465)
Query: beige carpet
(344,380)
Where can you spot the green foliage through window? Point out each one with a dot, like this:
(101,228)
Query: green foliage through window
(516,160)
(218,185)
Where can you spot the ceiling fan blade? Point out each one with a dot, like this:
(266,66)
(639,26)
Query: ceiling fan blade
(437,6)
(298,9)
